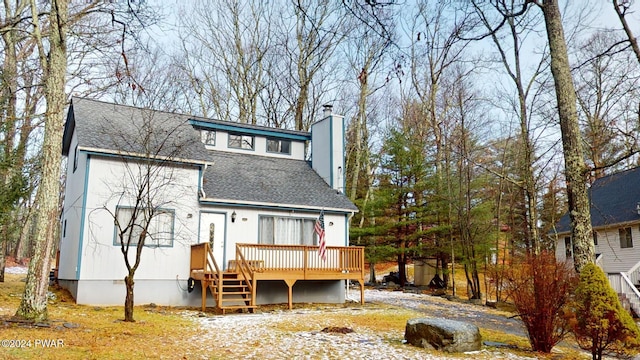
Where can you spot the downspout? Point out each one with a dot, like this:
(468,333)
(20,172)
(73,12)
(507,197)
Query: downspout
(349,216)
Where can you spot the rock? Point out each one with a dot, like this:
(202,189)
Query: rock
(443,334)
(70,325)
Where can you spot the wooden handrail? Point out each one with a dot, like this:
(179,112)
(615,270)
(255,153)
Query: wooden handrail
(303,257)
(244,269)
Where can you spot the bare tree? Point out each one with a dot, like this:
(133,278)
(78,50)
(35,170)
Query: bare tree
(509,50)
(607,88)
(436,47)
(53,61)
(623,8)
(223,50)
(146,184)
(575,167)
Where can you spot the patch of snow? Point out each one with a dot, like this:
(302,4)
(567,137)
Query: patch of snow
(16,270)
(267,335)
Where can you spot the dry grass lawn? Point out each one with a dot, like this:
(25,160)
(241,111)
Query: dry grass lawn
(88,332)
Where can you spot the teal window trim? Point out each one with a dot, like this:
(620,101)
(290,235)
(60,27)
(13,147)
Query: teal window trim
(280,143)
(276,217)
(291,135)
(208,137)
(116,241)
(242,139)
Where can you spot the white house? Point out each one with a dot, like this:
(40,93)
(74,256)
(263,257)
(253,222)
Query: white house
(615,217)
(215,182)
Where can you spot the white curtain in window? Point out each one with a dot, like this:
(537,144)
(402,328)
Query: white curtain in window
(286,231)
(160,231)
(266,230)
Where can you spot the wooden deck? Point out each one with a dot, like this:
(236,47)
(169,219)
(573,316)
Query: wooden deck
(289,263)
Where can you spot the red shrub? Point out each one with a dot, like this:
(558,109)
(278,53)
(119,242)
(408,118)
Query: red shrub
(541,288)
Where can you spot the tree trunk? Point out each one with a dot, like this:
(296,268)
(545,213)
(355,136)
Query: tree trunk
(34,299)
(128,300)
(575,168)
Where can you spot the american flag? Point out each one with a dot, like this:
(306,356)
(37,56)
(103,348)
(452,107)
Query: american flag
(319,229)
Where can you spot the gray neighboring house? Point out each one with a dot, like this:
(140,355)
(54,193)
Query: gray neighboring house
(230,184)
(615,217)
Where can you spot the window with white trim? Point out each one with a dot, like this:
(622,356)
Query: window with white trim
(208,137)
(238,141)
(286,231)
(159,232)
(568,247)
(626,240)
(278,146)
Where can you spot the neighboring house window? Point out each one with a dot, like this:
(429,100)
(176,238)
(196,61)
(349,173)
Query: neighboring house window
(567,247)
(626,241)
(208,137)
(286,231)
(595,238)
(75,158)
(279,146)
(64,229)
(160,230)
(241,141)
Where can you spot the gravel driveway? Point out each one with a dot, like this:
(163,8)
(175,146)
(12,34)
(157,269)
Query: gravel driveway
(481,316)
(277,335)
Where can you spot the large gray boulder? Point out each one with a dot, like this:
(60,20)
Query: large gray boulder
(443,334)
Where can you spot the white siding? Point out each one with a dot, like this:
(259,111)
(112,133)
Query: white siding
(614,258)
(260,147)
(72,213)
(102,259)
(327,150)
(245,229)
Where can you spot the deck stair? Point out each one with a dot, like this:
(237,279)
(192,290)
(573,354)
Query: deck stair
(234,288)
(231,289)
(234,292)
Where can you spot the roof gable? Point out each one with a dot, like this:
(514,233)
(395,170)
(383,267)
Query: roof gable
(614,200)
(232,177)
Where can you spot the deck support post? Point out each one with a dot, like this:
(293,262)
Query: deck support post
(361,291)
(203,285)
(254,286)
(290,283)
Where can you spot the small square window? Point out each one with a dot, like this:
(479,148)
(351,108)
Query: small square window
(626,241)
(279,146)
(208,137)
(241,141)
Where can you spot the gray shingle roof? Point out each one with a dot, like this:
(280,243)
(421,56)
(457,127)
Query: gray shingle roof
(234,177)
(614,199)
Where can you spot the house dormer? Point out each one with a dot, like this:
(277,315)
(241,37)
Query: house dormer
(251,139)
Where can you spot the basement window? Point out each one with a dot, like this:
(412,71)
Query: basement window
(626,241)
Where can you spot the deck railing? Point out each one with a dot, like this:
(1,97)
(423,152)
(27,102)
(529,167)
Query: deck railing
(245,269)
(202,259)
(264,258)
